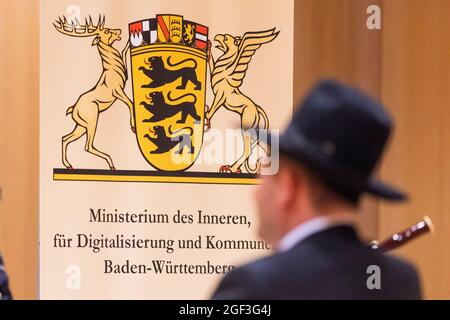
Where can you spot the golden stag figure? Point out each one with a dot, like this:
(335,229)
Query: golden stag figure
(108,89)
(227,75)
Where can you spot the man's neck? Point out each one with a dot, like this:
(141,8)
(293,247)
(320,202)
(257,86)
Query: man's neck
(312,225)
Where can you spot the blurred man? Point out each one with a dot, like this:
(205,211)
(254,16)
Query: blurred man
(4,290)
(307,210)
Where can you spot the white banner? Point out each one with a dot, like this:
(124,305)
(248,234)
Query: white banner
(146,176)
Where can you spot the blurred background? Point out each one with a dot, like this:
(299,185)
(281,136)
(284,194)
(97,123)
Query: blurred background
(405,64)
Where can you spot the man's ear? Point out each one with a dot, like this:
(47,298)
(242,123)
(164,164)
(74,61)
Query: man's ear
(96,41)
(287,187)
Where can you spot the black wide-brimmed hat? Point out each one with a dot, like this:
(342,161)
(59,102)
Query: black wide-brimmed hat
(340,134)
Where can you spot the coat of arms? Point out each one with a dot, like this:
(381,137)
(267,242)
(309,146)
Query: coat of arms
(169,57)
(169,88)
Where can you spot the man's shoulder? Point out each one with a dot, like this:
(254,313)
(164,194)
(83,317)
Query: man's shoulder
(398,267)
(245,282)
(311,272)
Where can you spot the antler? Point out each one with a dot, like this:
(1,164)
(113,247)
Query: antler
(75,29)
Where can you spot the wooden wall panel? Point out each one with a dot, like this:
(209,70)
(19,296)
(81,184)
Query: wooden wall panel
(332,41)
(19,139)
(416,87)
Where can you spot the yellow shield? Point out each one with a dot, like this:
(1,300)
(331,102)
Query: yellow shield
(169,82)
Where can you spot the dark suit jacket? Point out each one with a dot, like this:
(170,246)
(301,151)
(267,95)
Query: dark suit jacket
(331,264)
(5,294)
